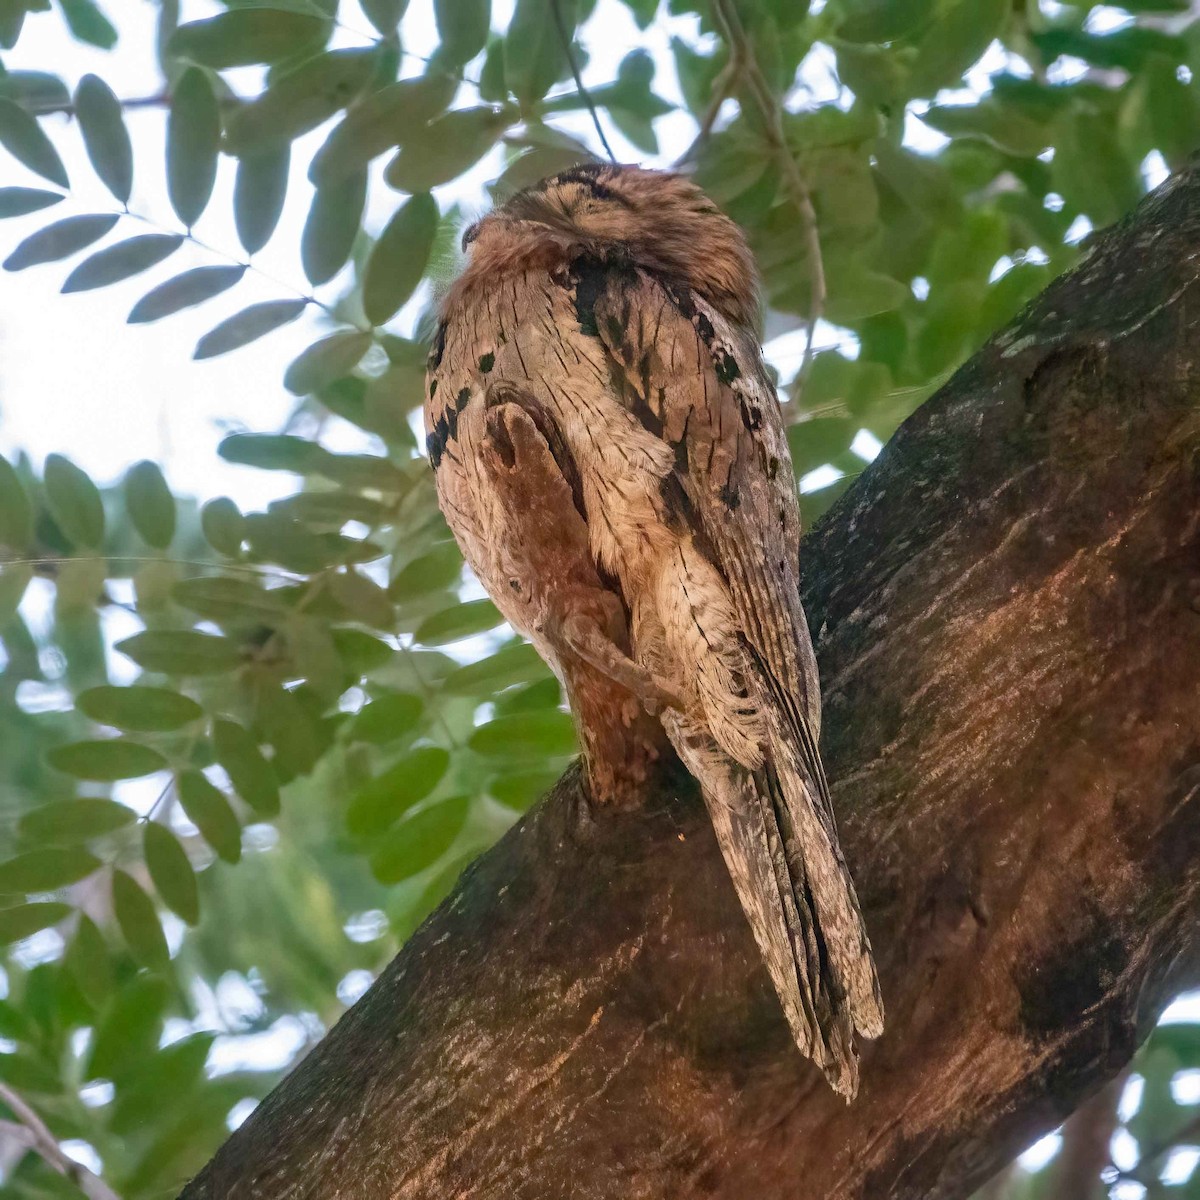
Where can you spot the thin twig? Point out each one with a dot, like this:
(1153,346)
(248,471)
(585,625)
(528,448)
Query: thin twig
(1187,1135)
(44,1143)
(565,36)
(1085,1146)
(735,36)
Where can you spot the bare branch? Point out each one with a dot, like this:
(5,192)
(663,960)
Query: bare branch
(44,1143)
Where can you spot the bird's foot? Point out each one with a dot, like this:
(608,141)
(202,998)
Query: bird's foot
(587,640)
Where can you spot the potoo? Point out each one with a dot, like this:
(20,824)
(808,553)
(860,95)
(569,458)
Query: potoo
(602,341)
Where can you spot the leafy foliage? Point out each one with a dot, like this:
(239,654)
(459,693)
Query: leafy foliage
(246,752)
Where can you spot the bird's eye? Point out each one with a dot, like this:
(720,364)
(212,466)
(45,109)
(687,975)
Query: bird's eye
(470,234)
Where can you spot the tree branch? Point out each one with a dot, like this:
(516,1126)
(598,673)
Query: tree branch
(44,1143)
(1006,619)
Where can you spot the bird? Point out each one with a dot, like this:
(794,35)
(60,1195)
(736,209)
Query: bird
(603,335)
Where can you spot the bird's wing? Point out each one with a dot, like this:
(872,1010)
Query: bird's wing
(699,382)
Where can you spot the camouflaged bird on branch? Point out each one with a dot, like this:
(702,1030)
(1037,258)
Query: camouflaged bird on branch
(610,454)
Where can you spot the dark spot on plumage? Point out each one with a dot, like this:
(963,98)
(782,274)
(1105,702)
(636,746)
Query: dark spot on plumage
(651,420)
(451,416)
(590,278)
(439,347)
(681,294)
(729,497)
(487,362)
(677,508)
(432,388)
(705,328)
(681,455)
(751,418)
(586,175)
(462,400)
(436,442)
(772,468)
(726,365)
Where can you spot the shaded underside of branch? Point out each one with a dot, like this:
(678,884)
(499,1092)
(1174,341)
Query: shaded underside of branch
(1007,615)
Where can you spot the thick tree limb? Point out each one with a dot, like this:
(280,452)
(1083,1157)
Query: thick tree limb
(1008,617)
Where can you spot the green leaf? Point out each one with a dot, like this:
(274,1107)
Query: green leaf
(35,91)
(247,326)
(174,1071)
(461,621)
(272,451)
(121,261)
(105,760)
(363,599)
(252,776)
(229,598)
(193,141)
(16,510)
(69,821)
(46,870)
(386,798)
(150,503)
(138,709)
(882,20)
(104,135)
(182,652)
(171,871)
(330,508)
(534,58)
(445,148)
(245,37)
(87,23)
(128,1030)
(332,225)
(17,201)
(138,919)
(208,809)
(522,788)
(526,735)
(399,258)
(859,293)
(185,290)
(302,99)
(326,361)
(22,137)
(380,121)
(87,961)
(361,652)
(519,663)
(259,190)
(74,502)
(955,41)
(463,27)
(223,526)
(60,240)
(384,14)
(14,580)
(23,919)
(418,841)
(386,719)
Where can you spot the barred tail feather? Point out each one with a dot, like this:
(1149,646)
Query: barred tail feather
(760,834)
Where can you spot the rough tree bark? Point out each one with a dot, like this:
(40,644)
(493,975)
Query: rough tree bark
(1007,607)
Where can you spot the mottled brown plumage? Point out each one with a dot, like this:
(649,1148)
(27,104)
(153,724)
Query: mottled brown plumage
(601,340)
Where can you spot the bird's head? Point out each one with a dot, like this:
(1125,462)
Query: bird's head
(657,220)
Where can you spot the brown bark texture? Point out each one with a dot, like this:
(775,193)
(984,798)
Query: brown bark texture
(1007,613)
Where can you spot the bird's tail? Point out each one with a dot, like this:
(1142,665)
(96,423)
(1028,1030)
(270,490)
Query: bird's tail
(797,896)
